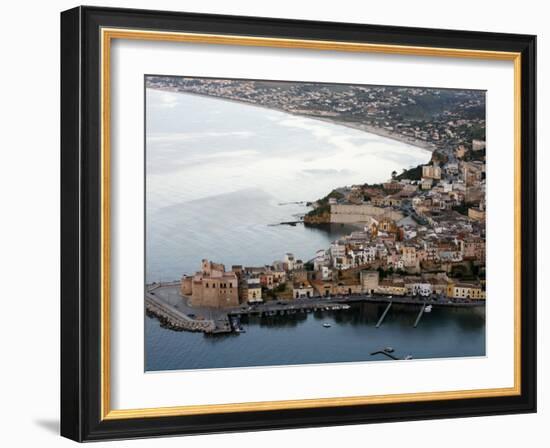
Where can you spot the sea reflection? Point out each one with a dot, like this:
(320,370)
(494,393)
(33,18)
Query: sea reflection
(301,338)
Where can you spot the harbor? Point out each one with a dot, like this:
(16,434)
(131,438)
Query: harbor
(315,333)
(165,302)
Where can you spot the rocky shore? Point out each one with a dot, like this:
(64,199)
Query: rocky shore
(321,218)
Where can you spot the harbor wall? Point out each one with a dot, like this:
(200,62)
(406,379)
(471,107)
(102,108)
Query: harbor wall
(351,213)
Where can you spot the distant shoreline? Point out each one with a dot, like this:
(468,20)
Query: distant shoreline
(430,147)
(380,132)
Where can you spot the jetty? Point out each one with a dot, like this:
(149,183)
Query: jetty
(420,314)
(171,317)
(383,315)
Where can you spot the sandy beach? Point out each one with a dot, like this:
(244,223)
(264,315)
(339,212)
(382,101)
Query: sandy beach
(358,126)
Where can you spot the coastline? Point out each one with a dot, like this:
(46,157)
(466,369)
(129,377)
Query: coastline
(325,220)
(421,144)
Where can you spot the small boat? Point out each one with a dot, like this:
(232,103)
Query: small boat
(408,357)
(388,349)
(326,325)
(428,309)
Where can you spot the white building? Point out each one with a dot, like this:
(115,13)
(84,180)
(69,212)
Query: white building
(337,249)
(423,289)
(302,290)
(321,260)
(290,261)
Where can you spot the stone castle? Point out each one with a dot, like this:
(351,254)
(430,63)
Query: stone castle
(212,286)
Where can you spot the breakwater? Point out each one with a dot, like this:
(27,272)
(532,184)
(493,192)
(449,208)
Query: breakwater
(173,319)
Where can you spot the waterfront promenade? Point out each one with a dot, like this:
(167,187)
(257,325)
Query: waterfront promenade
(165,302)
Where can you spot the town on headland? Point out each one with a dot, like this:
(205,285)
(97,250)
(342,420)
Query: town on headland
(418,241)
(419,238)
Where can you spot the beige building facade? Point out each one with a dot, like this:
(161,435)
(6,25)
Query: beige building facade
(212,286)
(465,291)
(369,281)
(431,172)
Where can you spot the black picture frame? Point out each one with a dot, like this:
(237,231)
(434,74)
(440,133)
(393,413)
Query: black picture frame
(81,224)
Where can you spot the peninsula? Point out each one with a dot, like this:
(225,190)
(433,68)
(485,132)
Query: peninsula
(419,242)
(420,235)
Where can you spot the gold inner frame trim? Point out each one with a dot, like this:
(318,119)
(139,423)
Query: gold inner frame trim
(107,35)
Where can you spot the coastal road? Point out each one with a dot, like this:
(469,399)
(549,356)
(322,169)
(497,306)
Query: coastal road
(170,294)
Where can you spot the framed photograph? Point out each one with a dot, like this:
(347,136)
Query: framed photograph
(273,223)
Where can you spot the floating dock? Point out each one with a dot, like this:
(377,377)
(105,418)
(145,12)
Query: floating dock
(420,314)
(384,352)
